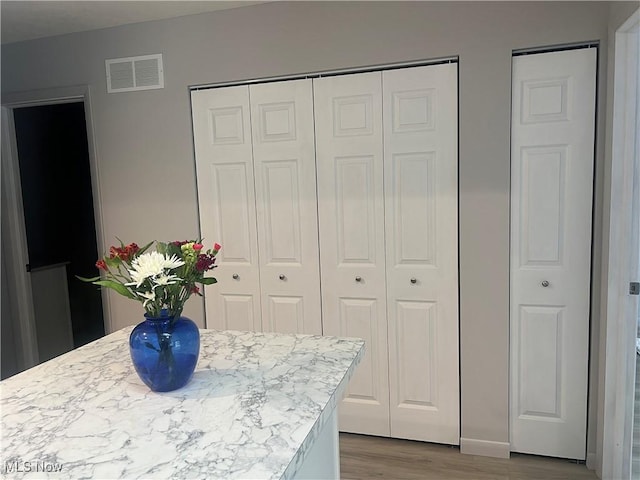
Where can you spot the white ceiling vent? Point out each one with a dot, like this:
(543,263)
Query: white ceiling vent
(134,73)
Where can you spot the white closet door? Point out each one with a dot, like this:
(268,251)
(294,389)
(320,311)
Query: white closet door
(421,223)
(226,195)
(351,212)
(285,174)
(551,184)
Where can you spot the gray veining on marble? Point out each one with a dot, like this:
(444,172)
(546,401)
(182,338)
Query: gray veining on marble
(252,410)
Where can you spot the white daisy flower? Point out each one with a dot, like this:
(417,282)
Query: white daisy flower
(164,279)
(150,297)
(152,264)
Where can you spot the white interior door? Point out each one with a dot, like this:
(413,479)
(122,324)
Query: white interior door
(226,196)
(285,174)
(421,217)
(553,115)
(348,112)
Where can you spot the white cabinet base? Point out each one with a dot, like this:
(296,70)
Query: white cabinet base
(323,460)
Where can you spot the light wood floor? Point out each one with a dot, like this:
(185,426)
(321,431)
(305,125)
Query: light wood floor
(366,458)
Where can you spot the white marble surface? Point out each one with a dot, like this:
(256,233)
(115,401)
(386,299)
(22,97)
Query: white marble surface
(252,410)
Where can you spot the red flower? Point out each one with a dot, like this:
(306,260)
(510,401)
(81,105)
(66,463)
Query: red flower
(217,247)
(132,249)
(205,262)
(124,253)
(195,289)
(102,265)
(197,247)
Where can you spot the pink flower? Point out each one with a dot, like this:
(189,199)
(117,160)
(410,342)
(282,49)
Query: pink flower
(217,247)
(197,247)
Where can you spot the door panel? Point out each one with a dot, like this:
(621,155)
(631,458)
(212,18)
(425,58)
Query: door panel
(414,196)
(222,139)
(286,314)
(238,312)
(543,209)
(416,344)
(421,226)
(285,171)
(358,318)
(348,111)
(540,361)
(355,220)
(551,200)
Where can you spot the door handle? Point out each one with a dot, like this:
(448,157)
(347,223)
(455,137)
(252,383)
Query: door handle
(358,279)
(235,276)
(414,281)
(282,277)
(545,283)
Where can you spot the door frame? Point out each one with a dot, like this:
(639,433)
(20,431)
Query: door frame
(16,236)
(619,364)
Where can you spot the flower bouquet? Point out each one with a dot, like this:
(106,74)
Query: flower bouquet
(163,279)
(165,347)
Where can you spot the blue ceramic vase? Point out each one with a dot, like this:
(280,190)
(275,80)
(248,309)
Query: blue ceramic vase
(164,351)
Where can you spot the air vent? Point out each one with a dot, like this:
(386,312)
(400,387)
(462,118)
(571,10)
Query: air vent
(134,73)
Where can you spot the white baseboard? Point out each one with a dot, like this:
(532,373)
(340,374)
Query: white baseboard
(591,461)
(485,448)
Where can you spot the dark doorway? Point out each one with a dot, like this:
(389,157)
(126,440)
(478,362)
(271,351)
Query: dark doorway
(60,226)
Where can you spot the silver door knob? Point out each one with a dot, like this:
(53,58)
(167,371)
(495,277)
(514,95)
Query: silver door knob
(414,281)
(282,277)
(545,283)
(358,279)
(235,276)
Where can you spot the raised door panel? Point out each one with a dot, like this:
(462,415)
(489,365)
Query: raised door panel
(551,199)
(285,172)
(421,211)
(540,339)
(348,113)
(222,139)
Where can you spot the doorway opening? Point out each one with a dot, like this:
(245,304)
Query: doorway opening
(54,183)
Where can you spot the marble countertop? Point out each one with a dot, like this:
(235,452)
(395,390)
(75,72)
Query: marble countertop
(253,408)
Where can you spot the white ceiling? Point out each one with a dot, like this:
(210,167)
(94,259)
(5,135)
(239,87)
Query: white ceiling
(27,20)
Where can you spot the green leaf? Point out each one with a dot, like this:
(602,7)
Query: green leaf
(92,279)
(118,287)
(145,248)
(208,281)
(161,247)
(113,262)
(171,249)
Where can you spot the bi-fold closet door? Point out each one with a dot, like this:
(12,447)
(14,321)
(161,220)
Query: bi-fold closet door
(388,208)
(256,175)
(553,128)
(384,208)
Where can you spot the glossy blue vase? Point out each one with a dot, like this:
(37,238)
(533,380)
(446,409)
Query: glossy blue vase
(164,351)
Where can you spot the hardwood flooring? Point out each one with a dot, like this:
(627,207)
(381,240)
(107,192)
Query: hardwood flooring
(366,458)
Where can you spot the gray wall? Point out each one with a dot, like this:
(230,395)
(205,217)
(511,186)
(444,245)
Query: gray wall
(144,139)
(9,363)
